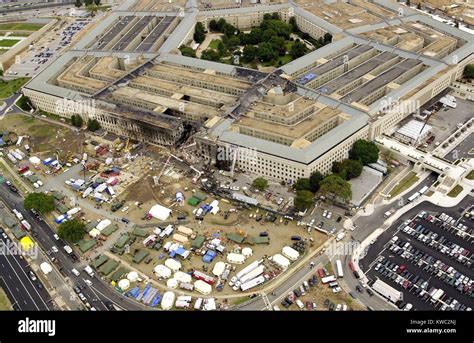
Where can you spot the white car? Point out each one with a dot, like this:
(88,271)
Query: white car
(75,272)
(54,248)
(88,282)
(408,307)
(329,215)
(56,237)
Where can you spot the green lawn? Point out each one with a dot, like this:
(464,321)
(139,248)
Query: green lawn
(7,88)
(20,26)
(404,184)
(470,176)
(214,43)
(455,191)
(20,34)
(8,42)
(5,304)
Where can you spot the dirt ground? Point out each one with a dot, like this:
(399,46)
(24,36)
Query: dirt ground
(45,138)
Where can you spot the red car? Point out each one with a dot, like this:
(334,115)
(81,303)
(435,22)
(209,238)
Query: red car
(321,273)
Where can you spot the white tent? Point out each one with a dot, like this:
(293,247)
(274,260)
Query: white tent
(132,276)
(173,264)
(160,212)
(162,271)
(103,224)
(185,230)
(124,284)
(182,277)
(172,283)
(218,269)
(168,300)
(46,268)
(94,233)
(35,160)
(202,287)
(281,261)
(290,253)
(235,258)
(180,238)
(247,252)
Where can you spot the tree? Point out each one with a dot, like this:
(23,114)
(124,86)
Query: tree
(220,24)
(293,24)
(353,168)
(314,181)
(72,230)
(24,103)
(302,184)
(267,16)
(231,42)
(275,16)
(260,183)
(228,30)
(303,200)
(268,34)
(255,36)
(298,49)
(408,3)
(469,71)
(364,151)
(327,38)
(187,51)
(97,2)
(266,52)
(418,6)
(221,48)
(76,120)
(39,202)
(336,186)
(250,52)
(210,55)
(93,125)
(213,25)
(199,33)
(88,2)
(78,3)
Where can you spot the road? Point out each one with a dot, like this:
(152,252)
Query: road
(367,224)
(99,294)
(23,293)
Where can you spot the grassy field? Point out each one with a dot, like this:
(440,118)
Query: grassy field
(5,304)
(20,26)
(455,191)
(8,88)
(214,43)
(404,184)
(8,42)
(470,176)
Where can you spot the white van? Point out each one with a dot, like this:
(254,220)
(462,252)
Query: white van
(89,270)
(299,303)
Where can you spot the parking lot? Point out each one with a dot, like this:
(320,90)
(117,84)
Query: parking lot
(429,259)
(47,49)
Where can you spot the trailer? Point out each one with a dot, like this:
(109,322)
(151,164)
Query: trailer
(248,269)
(339,271)
(414,197)
(253,274)
(252,283)
(12,158)
(328,279)
(387,291)
(423,190)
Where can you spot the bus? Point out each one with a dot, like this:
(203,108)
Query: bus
(328,279)
(423,190)
(339,269)
(414,197)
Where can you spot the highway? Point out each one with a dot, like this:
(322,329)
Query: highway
(100,294)
(23,293)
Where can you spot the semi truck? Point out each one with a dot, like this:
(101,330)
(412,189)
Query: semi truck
(339,271)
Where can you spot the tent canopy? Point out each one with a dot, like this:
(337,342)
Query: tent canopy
(160,212)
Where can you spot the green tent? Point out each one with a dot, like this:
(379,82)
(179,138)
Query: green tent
(100,260)
(118,274)
(140,232)
(108,267)
(109,230)
(198,242)
(140,255)
(86,245)
(120,243)
(91,226)
(235,238)
(193,201)
(260,240)
(61,208)
(18,233)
